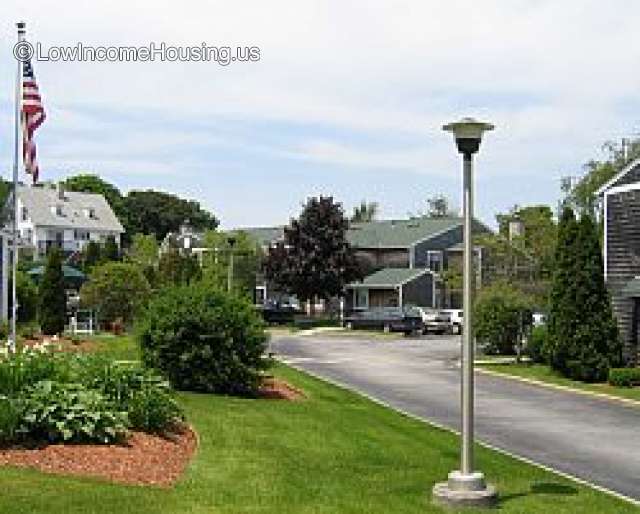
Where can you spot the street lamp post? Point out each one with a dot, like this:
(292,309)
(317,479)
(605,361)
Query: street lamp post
(466,487)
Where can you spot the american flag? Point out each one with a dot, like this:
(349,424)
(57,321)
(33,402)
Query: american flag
(32,117)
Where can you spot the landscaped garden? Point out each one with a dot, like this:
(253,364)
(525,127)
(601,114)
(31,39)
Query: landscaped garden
(332,451)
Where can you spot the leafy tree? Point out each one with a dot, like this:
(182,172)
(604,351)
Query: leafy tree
(118,290)
(157,213)
(143,252)
(563,309)
(502,314)
(596,344)
(366,211)
(175,268)
(52,308)
(540,233)
(583,196)
(247,261)
(315,259)
(110,250)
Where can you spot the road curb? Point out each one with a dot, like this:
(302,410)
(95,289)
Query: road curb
(558,387)
(489,446)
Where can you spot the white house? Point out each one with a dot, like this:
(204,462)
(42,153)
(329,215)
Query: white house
(50,216)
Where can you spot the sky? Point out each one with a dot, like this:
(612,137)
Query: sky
(347,99)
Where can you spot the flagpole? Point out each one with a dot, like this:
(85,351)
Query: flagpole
(16,162)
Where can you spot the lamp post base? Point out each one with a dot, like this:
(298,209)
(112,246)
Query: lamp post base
(465,491)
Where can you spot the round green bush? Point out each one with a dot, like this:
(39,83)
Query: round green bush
(501,313)
(204,339)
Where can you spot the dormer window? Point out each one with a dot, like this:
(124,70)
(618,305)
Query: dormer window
(90,213)
(57,210)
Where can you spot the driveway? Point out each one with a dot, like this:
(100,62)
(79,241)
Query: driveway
(593,439)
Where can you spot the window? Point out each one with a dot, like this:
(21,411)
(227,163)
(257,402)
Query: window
(81,235)
(25,214)
(434,260)
(90,213)
(361,299)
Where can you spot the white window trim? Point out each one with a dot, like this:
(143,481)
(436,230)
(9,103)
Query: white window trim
(440,254)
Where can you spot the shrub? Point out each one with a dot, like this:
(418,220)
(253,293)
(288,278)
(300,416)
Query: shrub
(535,348)
(63,396)
(52,308)
(11,413)
(153,409)
(624,377)
(501,313)
(117,290)
(142,393)
(69,412)
(25,369)
(204,339)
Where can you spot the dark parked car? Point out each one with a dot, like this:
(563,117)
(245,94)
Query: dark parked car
(278,312)
(390,319)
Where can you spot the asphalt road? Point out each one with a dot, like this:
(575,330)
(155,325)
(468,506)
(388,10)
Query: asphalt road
(593,439)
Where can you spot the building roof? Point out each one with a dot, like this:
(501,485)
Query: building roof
(376,234)
(39,202)
(629,167)
(264,235)
(390,277)
(399,233)
(632,288)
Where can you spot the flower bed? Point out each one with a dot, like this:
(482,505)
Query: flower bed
(53,396)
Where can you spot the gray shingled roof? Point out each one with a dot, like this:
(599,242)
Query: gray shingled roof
(375,234)
(389,277)
(264,235)
(40,200)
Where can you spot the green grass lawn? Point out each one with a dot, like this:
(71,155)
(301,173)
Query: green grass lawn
(334,452)
(544,373)
(122,347)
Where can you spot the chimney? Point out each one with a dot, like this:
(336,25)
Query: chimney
(60,189)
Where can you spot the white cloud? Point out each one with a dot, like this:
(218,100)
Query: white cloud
(553,76)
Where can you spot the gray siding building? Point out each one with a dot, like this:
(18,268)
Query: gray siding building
(621,216)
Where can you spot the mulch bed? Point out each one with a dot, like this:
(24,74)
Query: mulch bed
(276,389)
(144,459)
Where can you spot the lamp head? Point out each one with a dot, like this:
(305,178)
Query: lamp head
(468,134)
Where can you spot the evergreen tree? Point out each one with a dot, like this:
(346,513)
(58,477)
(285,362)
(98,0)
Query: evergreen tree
(596,343)
(52,308)
(563,310)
